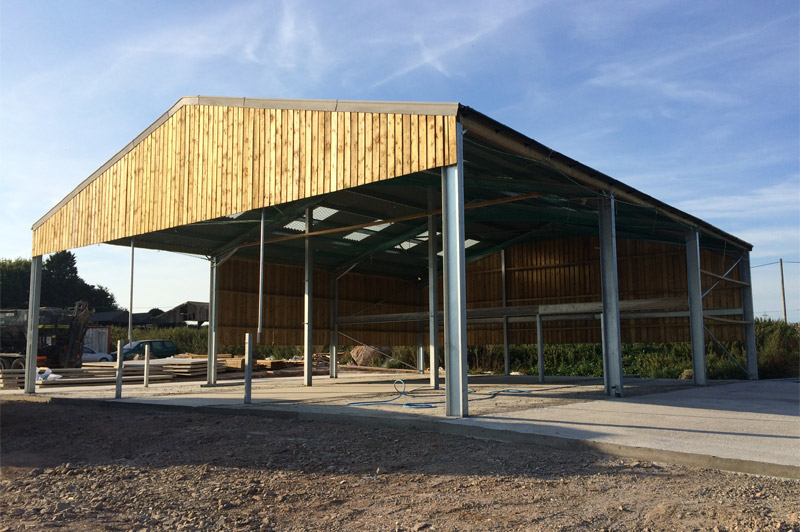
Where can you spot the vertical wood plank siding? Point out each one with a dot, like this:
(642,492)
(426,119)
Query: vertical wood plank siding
(557,271)
(209,161)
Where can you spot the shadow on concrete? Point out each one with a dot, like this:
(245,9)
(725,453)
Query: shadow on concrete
(585,434)
(774,396)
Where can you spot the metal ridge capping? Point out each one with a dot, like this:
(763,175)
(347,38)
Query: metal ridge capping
(419,108)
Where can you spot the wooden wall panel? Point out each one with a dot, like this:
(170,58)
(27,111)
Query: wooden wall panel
(208,161)
(558,271)
(283,305)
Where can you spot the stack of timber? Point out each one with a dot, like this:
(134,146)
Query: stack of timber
(99,373)
(236,362)
(89,374)
(192,367)
(228,360)
(12,378)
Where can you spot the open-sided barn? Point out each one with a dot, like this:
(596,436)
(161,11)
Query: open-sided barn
(333,222)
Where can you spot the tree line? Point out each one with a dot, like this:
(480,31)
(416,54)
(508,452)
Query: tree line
(61,284)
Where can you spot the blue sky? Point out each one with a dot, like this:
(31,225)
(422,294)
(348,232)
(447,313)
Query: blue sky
(695,103)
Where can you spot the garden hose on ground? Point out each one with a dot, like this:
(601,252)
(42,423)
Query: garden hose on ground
(432,404)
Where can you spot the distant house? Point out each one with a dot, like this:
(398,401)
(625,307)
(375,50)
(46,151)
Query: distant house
(191,311)
(120,318)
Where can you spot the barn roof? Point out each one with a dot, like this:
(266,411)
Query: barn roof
(200,177)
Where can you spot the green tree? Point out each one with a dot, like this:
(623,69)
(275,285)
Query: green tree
(61,284)
(15,278)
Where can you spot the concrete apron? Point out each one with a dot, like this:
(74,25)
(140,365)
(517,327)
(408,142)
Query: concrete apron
(746,426)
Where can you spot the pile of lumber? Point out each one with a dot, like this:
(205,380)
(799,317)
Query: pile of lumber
(236,362)
(193,367)
(12,378)
(89,374)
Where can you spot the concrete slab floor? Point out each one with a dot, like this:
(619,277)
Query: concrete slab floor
(749,426)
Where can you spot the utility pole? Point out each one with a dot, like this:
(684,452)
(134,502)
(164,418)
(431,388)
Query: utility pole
(783,292)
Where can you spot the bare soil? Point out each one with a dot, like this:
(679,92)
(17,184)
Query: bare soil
(86,467)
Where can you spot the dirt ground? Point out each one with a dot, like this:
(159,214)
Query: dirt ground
(89,467)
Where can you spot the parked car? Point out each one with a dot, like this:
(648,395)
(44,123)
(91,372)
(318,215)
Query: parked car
(90,355)
(158,349)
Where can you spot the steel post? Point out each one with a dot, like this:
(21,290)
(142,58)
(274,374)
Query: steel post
(32,337)
(506,351)
(420,336)
(605,362)
(612,343)
(748,317)
(260,281)
(433,293)
(248,367)
(213,318)
(146,365)
(540,347)
(454,273)
(695,307)
(334,339)
(120,363)
(130,307)
(308,302)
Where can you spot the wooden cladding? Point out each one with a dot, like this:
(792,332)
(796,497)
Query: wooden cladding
(208,161)
(283,305)
(568,271)
(549,272)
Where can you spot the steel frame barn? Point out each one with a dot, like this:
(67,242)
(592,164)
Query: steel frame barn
(342,215)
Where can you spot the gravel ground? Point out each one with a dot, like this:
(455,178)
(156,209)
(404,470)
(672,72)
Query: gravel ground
(89,467)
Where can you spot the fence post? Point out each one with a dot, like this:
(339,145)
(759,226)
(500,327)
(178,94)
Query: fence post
(120,356)
(146,365)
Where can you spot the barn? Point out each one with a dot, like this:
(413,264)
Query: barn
(329,222)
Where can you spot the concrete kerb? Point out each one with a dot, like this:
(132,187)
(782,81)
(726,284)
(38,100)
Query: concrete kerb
(399,421)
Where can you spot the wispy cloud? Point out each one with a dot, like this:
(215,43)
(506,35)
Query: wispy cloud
(782,240)
(680,72)
(430,48)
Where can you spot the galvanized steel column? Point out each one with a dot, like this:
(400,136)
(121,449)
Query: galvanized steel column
(748,317)
(420,336)
(695,307)
(130,309)
(32,337)
(433,293)
(612,344)
(506,352)
(540,347)
(334,339)
(260,281)
(213,314)
(308,303)
(454,273)
(248,367)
